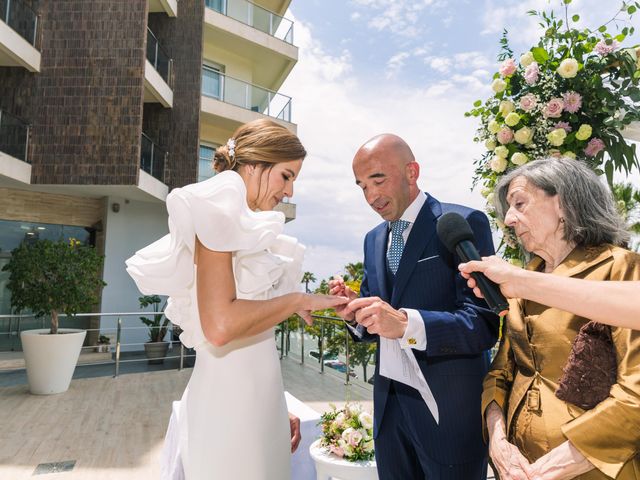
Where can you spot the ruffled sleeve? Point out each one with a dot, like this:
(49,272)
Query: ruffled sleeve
(216,211)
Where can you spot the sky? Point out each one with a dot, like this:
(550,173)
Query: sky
(408,67)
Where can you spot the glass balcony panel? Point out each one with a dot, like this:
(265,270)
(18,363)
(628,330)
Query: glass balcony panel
(157,56)
(255,16)
(21,18)
(244,95)
(14,136)
(152,158)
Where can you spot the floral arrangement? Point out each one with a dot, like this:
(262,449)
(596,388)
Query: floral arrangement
(348,433)
(570,95)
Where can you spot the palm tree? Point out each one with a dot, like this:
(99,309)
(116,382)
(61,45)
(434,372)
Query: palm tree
(355,270)
(307,278)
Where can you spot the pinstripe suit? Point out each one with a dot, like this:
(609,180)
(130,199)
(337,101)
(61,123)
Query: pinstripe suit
(459,330)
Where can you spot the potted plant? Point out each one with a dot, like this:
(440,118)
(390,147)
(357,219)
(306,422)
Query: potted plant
(103,344)
(49,278)
(156,348)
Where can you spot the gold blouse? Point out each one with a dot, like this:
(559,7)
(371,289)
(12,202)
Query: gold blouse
(535,347)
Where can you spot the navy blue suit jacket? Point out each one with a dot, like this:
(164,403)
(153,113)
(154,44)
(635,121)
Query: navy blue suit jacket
(459,329)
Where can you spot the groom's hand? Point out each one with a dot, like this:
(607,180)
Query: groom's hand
(378,317)
(338,287)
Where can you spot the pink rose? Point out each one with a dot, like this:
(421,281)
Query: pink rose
(505,135)
(508,67)
(531,73)
(554,108)
(528,102)
(336,450)
(603,48)
(572,101)
(594,147)
(564,125)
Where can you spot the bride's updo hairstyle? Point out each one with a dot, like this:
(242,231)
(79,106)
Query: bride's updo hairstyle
(261,142)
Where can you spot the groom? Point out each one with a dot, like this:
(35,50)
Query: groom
(412,294)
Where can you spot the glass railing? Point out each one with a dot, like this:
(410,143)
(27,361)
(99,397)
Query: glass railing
(152,158)
(14,136)
(21,18)
(255,16)
(158,57)
(242,94)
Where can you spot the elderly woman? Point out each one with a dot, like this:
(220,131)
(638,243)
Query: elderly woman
(566,219)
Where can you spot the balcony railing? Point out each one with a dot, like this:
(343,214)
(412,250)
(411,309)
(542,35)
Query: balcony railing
(14,136)
(20,17)
(153,158)
(222,87)
(255,16)
(158,57)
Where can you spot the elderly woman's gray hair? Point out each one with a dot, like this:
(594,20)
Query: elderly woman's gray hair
(590,213)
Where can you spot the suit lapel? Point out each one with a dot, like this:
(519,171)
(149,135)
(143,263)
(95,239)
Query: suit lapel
(380,256)
(422,234)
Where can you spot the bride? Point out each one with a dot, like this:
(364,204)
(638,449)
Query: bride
(232,276)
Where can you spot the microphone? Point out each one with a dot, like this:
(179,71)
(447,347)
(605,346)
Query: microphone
(456,234)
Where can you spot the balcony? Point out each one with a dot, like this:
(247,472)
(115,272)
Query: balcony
(238,102)
(253,33)
(157,73)
(18,35)
(14,149)
(255,16)
(152,158)
(170,7)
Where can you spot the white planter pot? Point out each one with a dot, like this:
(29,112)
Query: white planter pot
(51,359)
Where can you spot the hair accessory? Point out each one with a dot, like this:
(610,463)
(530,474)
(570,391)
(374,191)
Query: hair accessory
(231,146)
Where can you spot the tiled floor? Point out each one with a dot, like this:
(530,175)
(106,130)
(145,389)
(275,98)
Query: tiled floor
(113,428)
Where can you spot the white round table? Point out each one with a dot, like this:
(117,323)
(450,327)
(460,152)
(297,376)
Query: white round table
(331,466)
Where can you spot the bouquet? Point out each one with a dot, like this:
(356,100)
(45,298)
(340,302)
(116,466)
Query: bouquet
(570,95)
(348,433)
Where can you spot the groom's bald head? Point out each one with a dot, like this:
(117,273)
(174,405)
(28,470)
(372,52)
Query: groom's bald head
(386,170)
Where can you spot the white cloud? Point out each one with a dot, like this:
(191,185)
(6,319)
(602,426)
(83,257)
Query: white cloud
(400,17)
(395,64)
(336,114)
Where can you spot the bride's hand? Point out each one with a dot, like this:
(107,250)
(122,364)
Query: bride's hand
(294,425)
(312,302)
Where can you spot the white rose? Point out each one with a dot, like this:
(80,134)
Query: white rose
(523,135)
(491,198)
(498,164)
(506,107)
(498,85)
(512,119)
(519,158)
(568,68)
(490,143)
(493,127)
(366,419)
(526,59)
(501,151)
(368,446)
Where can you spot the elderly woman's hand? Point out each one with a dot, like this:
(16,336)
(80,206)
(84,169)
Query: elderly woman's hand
(506,457)
(562,463)
(496,270)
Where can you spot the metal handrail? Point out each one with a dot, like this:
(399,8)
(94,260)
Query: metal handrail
(256,17)
(119,329)
(247,95)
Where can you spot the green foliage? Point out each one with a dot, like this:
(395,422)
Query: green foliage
(628,200)
(157,328)
(593,79)
(51,277)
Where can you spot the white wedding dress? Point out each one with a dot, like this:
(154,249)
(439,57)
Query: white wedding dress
(231,422)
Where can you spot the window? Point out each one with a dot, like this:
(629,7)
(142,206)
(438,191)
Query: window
(205,162)
(213,81)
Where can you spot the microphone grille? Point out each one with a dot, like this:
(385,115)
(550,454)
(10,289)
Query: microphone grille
(452,229)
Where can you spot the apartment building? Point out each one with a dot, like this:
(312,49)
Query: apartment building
(106,105)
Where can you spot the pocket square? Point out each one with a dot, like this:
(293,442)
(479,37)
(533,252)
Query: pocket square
(428,258)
